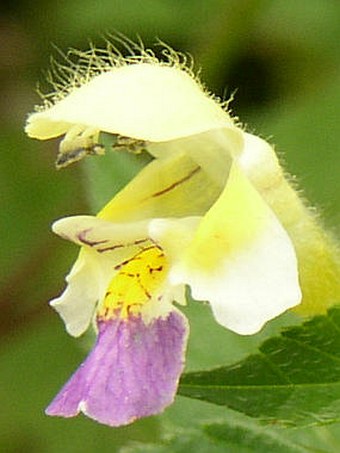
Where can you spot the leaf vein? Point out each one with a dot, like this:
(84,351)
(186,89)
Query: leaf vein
(263,386)
(274,367)
(312,348)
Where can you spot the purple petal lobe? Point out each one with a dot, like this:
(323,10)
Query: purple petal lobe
(132,371)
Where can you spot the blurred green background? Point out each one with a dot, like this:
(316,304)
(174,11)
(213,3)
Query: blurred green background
(280,58)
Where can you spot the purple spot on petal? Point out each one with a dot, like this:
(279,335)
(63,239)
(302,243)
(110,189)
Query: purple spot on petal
(132,371)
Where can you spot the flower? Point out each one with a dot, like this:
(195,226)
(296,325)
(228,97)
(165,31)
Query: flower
(134,262)
(212,211)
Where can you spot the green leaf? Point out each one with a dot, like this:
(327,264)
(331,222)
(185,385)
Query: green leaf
(219,438)
(182,442)
(252,439)
(294,378)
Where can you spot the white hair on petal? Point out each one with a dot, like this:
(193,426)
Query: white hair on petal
(78,67)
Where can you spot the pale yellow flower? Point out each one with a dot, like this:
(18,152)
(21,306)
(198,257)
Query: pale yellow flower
(214,199)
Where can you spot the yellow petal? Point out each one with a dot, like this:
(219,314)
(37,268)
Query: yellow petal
(138,282)
(151,102)
(173,186)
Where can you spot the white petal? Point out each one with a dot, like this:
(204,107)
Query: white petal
(100,235)
(173,235)
(145,101)
(259,162)
(161,303)
(213,151)
(252,288)
(77,303)
(241,260)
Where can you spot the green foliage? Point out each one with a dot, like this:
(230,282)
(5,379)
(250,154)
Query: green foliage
(293,379)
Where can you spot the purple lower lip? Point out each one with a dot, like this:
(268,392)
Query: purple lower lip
(132,371)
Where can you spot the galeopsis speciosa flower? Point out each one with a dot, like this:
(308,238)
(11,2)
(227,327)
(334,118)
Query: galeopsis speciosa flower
(212,212)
